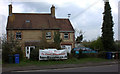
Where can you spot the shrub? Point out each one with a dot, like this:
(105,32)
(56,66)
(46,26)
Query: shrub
(102,54)
(5,52)
(34,54)
(92,55)
(20,52)
(9,47)
(81,55)
(70,55)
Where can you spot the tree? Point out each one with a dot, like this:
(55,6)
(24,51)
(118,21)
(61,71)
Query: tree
(10,47)
(57,40)
(97,44)
(80,36)
(107,29)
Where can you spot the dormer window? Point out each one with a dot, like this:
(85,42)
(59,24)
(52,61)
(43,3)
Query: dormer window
(27,21)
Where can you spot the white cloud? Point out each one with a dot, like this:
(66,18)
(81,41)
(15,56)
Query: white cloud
(86,15)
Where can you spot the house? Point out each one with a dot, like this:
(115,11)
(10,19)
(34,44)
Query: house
(32,29)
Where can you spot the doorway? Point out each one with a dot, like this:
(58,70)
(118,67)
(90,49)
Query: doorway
(67,47)
(28,50)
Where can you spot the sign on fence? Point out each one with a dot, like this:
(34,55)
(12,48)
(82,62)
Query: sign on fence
(48,54)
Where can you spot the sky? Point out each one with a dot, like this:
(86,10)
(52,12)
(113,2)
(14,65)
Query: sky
(86,15)
(119,21)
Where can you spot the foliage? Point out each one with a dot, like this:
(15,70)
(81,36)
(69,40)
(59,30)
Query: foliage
(10,48)
(102,54)
(57,40)
(79,39)
(34,54)
(5,52)
(20,52)
(80,55)
(86,44)
(107,29)
(96,44)
(80,35)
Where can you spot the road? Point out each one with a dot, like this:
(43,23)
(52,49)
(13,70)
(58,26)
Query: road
(105,68)
(0,61)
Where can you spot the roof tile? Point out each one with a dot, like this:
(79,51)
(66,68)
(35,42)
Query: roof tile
(37,21)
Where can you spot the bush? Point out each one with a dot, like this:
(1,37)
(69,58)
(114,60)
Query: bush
(20,52)
(102,54)
(92,55)
(34,54)
(84,55)
(81,55)
(70,55)
(73,54)
(5,52)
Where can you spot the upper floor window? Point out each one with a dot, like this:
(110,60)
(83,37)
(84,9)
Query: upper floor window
(66,35)
(18,35)
(48,35)
(27,21)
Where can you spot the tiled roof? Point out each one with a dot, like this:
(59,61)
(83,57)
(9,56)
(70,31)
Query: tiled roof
(37,21)
(65,25)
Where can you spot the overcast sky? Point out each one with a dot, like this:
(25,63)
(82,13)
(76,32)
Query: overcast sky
(86,15)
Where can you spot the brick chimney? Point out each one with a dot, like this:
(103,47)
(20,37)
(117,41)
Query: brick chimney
(53,11)
(10,9)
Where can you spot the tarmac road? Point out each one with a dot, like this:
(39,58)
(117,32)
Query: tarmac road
(103,68)
(0,60)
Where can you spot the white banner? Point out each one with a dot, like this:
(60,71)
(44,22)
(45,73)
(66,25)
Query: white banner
(52,54)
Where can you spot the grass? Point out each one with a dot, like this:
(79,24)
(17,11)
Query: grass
(69,61)
(0,62)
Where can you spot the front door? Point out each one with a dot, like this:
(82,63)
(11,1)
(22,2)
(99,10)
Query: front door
(28,49)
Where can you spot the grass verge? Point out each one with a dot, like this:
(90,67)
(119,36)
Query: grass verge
(69,61)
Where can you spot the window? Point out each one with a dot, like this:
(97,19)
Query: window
(48,35)
(27,21)
(65,35)
(63,46)
(18,35)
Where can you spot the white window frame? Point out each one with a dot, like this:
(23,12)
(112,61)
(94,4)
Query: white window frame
(66,35)
(48,35)
(18,35)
